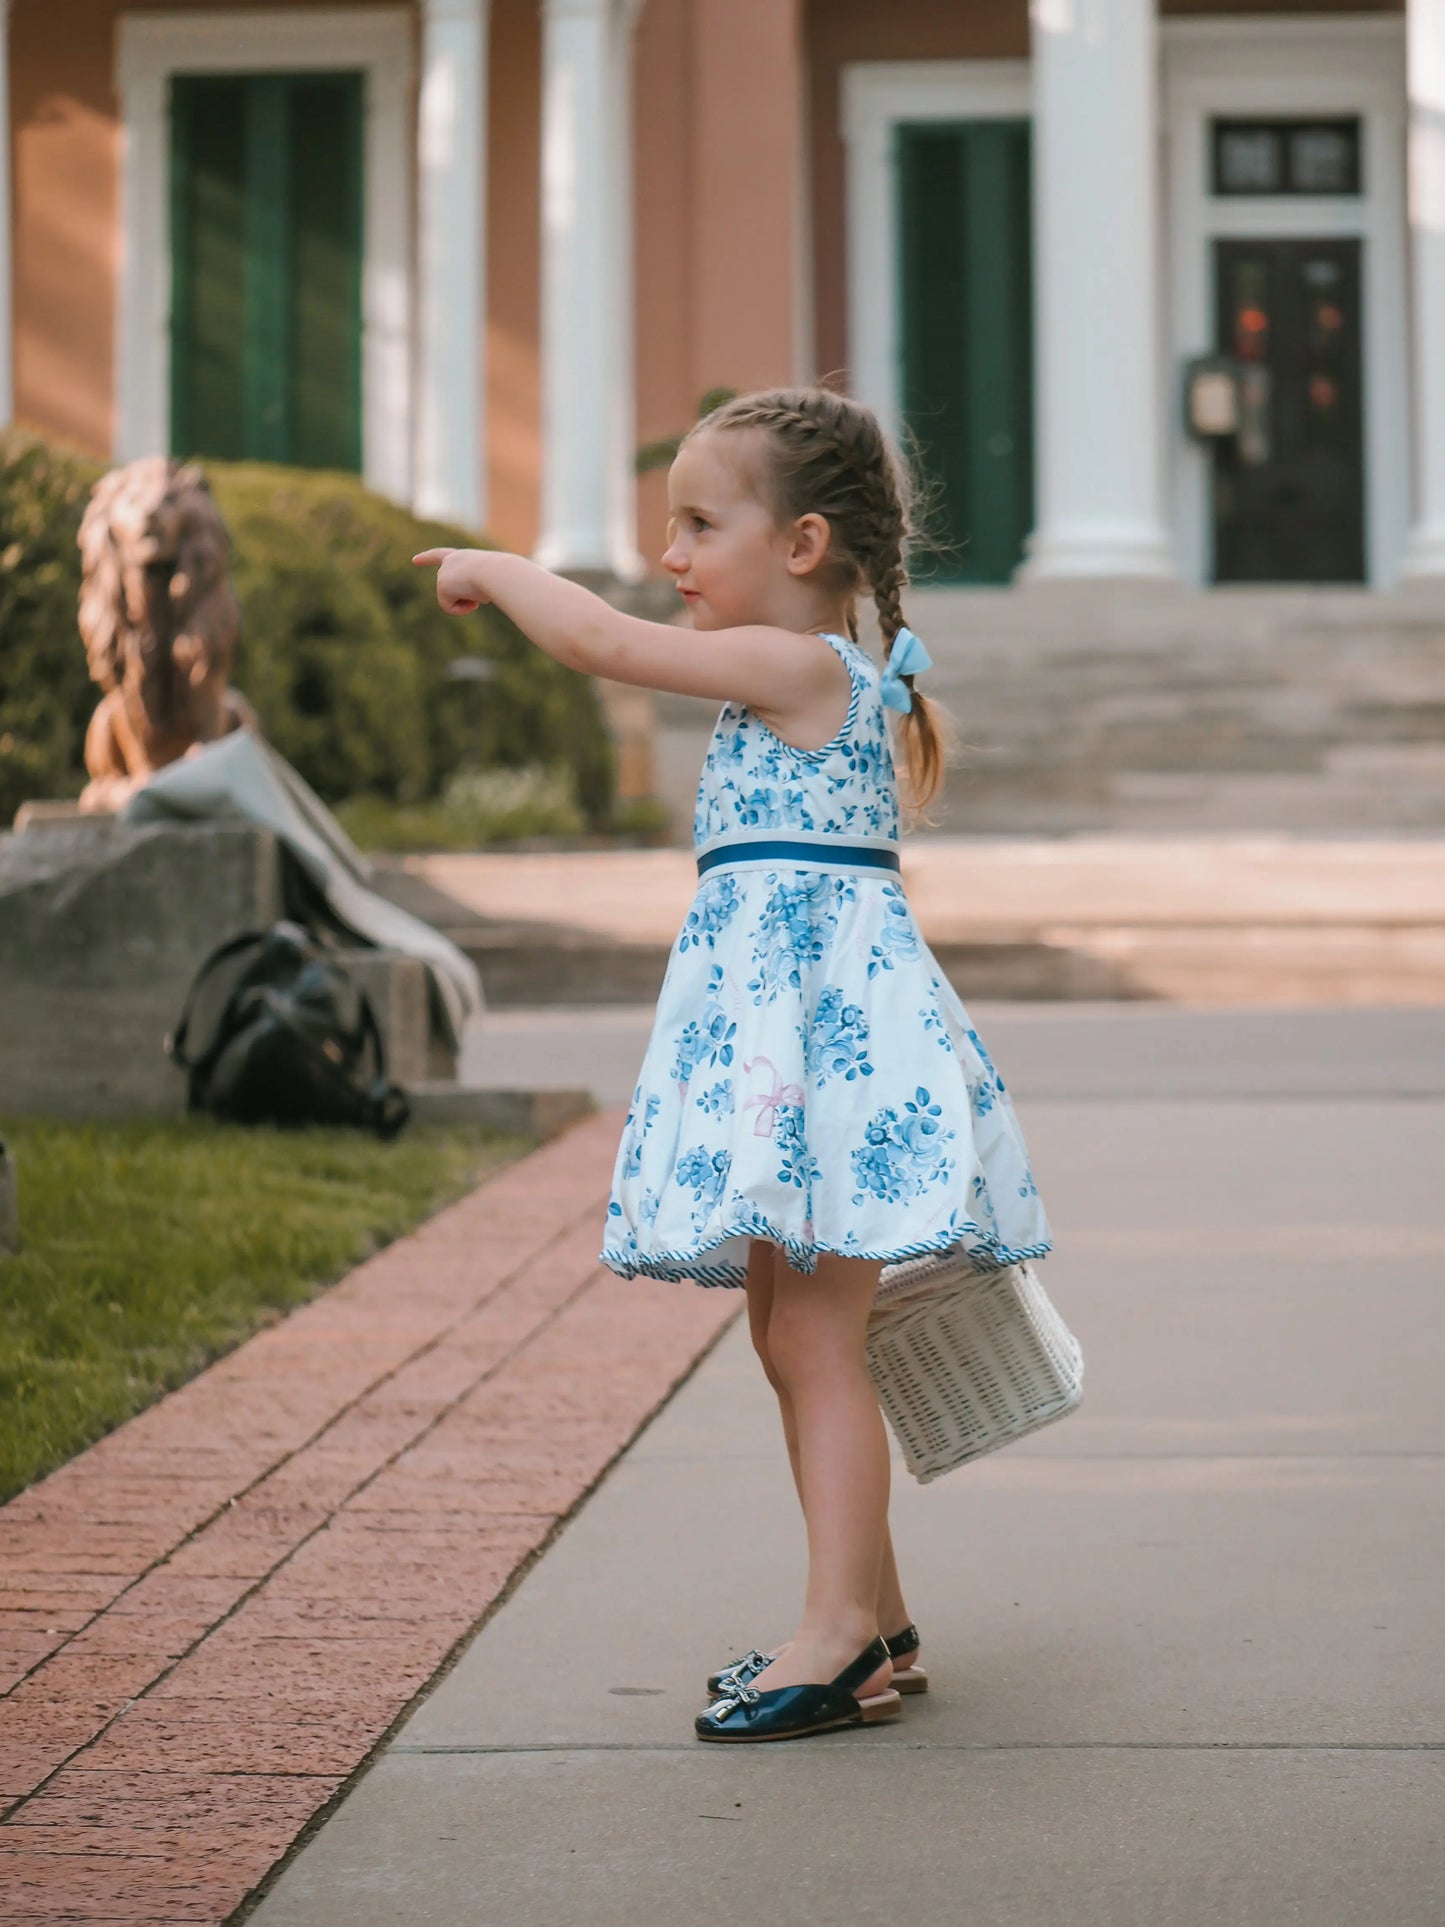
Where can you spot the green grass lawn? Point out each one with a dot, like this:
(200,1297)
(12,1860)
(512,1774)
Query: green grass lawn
(149,1248)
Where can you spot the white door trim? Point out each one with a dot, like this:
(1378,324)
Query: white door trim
(451,262)
(152,47)
(1282,66)
(878,95)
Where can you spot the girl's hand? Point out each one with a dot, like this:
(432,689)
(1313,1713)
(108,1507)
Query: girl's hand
(458,589)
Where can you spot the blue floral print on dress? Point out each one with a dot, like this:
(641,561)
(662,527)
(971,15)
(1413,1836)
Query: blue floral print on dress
(796,1165)
(718,1102)
(706,1175)
(903,1153)
(898,938)
(730,746)
(933,1024)
(989,1065)
(715,907)
(837,1042)
(632,1160)
(982,1201)
(765,808)
(986,1087)
(709,1041)
(797,922)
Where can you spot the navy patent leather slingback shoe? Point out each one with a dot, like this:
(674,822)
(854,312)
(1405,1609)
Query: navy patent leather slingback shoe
(744,1715)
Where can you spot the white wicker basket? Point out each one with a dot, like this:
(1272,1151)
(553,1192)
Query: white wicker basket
(965,1361)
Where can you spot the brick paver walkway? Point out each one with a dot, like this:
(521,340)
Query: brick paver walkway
(209,1619)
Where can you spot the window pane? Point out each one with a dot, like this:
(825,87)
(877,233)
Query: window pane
(325,272)
(208,320)
(1322,160)
(1249,161)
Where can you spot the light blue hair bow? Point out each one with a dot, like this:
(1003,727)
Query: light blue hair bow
(907,657)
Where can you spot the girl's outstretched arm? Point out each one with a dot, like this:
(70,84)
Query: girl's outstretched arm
(773,670)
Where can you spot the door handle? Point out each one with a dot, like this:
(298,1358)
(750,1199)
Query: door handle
(1255,444)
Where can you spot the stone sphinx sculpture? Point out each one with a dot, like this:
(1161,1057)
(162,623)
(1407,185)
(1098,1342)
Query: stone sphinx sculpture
(159,620)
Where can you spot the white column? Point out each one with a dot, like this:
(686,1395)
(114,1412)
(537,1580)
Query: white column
(451,322)
(1425,84)
(588,428)
(1096,251)
(7,340)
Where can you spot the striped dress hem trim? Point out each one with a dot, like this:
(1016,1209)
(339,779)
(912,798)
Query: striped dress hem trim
(681,1267)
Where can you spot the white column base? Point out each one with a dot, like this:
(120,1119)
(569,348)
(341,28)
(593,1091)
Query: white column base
(579,554)
(1425,557)
(1115,551)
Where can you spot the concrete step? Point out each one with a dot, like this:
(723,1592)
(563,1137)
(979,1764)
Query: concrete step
(1160,711)
(539,1114)
(1200,964)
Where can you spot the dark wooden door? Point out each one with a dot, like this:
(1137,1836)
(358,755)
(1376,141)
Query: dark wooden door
(967,339)
(266,259)
(1289,498)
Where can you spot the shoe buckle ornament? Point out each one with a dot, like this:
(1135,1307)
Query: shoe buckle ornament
(752,1663)
(736,1695)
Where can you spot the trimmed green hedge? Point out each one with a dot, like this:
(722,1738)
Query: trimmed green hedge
(46,697)
(343,649)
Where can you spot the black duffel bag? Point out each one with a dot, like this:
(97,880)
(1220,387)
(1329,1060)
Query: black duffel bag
(296,1041)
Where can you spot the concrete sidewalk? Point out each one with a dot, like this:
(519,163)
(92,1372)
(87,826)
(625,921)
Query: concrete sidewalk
(1185,1647)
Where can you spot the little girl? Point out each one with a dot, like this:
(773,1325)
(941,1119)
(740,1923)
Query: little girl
(813,1102)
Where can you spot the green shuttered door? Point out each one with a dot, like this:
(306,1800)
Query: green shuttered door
(967,338)
(266,237)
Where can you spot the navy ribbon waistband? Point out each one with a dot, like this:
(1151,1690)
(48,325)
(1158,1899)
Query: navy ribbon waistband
(819,856)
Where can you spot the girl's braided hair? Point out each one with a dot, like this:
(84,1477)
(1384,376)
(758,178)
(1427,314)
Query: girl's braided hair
(827,455)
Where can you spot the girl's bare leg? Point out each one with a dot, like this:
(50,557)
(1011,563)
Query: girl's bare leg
(763,1259)
(816,1327)
(892,1613)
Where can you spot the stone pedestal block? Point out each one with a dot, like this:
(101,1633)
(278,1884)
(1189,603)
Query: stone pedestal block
(399,993)
(102,928)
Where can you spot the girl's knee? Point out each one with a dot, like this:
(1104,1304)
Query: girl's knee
(760,1304)
(819,1326)
(799,1343)
(758,1332)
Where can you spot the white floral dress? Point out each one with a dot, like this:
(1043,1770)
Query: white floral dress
(812,1079)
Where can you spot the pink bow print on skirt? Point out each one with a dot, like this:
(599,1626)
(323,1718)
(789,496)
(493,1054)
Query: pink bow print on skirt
(767,1103)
